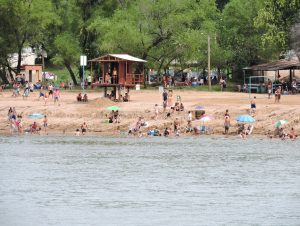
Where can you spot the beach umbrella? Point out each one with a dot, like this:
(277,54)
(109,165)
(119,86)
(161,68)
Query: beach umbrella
(35,115)
(113,108)
(245,119)
(199,107)
(281,122)
(205,119)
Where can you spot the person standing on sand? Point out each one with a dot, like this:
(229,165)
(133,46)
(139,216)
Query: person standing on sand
(269,87)
(156,111)
(226,122)
(165,99)
(83,128)
(45,124)
(176,126)
(56,96)
(253,105)
(170,98)
(50,88)
(45,98)
(277,95)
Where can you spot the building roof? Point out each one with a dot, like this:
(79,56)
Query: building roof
(275,65)
(125,57)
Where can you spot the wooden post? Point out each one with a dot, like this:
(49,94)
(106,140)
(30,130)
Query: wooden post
(102,81)
(105,91)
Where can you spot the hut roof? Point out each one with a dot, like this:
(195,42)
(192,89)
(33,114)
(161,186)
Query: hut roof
(125,57)
(276,65)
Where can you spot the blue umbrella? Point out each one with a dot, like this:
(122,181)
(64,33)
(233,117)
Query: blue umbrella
(36,115)
(245,119)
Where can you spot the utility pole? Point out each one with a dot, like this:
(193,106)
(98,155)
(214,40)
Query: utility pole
(208,62)
(83,62)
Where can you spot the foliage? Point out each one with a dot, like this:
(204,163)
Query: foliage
(276,19)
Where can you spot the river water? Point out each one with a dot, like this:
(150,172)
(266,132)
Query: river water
(148,181)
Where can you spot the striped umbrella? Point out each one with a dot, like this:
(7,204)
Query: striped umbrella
(281,122)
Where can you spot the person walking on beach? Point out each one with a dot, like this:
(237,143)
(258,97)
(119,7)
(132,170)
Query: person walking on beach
(226,122)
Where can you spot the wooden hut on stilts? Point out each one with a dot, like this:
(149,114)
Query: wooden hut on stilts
(118,71)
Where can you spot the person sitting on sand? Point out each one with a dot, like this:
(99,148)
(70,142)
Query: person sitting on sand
(242,134)
(249,130)
(77,132)
(189,127)
(181,107)
(241,128)
(34,128)
(292,135)
(176,125)
(282,134)
(166,132)
(175,107)
(111,117)
(79,97)
(85,98)
(116,117)
(126,97)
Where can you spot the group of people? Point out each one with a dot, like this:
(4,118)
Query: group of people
(114,117)
(111,78)
(81,98)
(280,133)
(53,92)
(83,129)
(16,123)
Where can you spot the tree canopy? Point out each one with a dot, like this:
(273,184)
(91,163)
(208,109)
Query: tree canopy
(242,32)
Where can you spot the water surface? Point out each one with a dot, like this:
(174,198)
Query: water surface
(148,181)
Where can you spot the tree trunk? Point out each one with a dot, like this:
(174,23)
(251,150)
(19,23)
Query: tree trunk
(19,60)
(68,66)
(3,76)
(10,74)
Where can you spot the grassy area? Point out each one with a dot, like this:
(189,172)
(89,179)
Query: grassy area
(61,72)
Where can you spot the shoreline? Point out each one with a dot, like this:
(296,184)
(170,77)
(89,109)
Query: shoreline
(71,114)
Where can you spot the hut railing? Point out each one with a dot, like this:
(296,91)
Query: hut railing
(134,79)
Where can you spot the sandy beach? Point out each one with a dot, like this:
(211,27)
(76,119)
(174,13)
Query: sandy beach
(69,116)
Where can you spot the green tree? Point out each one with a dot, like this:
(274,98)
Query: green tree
(239,35)
(24,22)
(277,18)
